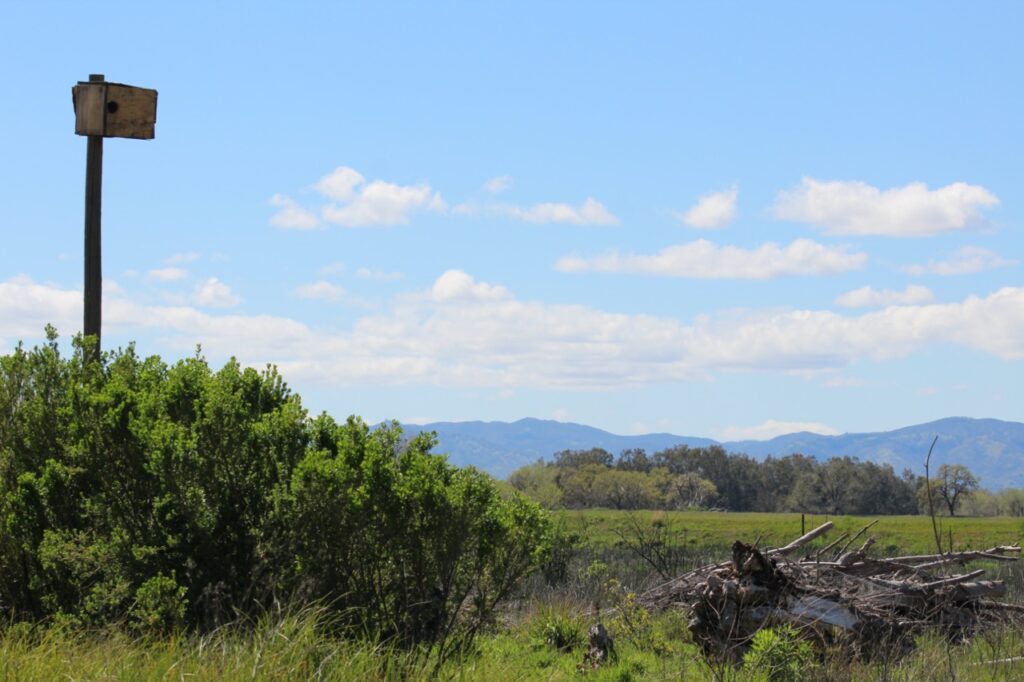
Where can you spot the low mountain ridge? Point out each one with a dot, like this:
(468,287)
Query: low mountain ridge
(993,449)
(500,448)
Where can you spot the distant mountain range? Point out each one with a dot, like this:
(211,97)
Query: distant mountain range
(992,449)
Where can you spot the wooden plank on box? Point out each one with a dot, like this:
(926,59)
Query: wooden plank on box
(130,111)
(90,100)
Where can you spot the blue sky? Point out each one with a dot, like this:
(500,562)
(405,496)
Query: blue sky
(712,219)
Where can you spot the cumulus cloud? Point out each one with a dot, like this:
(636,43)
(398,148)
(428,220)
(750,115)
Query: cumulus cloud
(847,207)
(170,274)
(291,216)
(340,184)
(869,297)
(498,184)
(322,290)
(702,259)
(213,293)
(965,260)
(771,428)
(713,211)
(26,307)
(463,332)
(590,212)
(456,285)
(357,203)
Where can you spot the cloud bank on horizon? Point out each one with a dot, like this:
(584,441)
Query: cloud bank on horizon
(466,332)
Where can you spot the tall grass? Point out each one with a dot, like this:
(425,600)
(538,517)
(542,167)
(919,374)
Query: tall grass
(297,645)
(293,645)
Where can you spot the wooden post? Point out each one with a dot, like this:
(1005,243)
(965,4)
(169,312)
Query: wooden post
(104,109)
(92,321)
(803,528)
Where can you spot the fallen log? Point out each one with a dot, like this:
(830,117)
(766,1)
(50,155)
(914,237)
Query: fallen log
(802,540)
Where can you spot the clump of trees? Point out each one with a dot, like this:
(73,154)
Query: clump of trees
(682,477)
(179,496)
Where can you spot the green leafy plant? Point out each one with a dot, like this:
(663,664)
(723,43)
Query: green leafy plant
(778,655)
(559,629)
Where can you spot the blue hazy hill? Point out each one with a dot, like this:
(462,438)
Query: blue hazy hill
(993,449)
(502,447)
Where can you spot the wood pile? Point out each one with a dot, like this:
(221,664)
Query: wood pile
(835,595)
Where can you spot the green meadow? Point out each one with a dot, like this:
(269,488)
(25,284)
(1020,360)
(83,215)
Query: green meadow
(716,531)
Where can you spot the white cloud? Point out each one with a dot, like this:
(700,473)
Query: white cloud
(182,257)
(357,203)
(169,274)
(965,260)
(456,285)
(26,307)
(498,184)
(771,428)
(378,275)
(590,212)
(213,293)
(869,297)
(340,184)
(846,207)
(322,290)
(713,211)
(463,332)
(704,260)
(291,216)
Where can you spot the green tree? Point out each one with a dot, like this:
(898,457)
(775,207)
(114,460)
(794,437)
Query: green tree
(623,490)
(634,459)
(539,482)
(580,458)
(826,489)
(953,483)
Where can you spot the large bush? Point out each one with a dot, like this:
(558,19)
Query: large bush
(176,495)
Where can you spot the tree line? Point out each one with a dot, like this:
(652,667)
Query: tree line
(683,477)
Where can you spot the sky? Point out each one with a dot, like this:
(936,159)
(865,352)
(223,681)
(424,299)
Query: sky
(711,219)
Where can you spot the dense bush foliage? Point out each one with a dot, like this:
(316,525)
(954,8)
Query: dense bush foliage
(176,495)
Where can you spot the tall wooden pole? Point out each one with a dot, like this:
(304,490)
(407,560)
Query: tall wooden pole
(93,259)
(104,109)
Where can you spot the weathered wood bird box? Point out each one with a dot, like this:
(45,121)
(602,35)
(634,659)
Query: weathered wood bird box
(114,110)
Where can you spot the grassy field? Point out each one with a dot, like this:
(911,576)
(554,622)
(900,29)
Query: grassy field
(716,531)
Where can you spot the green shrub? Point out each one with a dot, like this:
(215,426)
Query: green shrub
(160,604)
(778,655)
(559,629)
(177,495)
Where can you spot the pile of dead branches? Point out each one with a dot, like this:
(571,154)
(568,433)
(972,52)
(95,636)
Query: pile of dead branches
(835,595)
